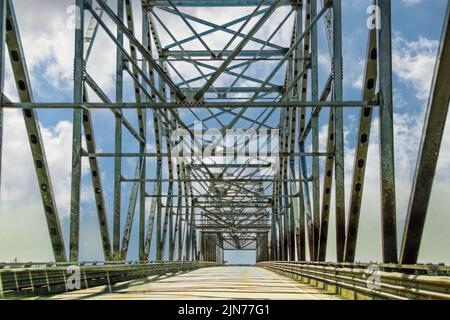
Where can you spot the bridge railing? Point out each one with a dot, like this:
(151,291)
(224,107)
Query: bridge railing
(19,279)
(370,281)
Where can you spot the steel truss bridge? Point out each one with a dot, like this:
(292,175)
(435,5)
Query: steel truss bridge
(189,211)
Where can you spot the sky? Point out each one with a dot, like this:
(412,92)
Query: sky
(417,25)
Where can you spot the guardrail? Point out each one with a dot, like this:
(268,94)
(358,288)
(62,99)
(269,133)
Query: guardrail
(370,281)
(33,279)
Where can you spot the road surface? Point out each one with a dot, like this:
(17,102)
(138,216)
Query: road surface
(231,282)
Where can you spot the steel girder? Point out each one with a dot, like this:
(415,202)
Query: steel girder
(430,146)
(23,85)
(3,15)
(256,203)
(386,132)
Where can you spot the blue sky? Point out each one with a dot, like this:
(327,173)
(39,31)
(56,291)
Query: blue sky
(417,25)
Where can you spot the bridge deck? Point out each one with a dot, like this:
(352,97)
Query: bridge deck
(209,283)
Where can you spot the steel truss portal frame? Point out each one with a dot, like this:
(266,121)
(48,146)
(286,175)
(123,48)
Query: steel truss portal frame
(200,208)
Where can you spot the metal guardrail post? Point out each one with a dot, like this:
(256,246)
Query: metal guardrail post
(42,279)
(386,281)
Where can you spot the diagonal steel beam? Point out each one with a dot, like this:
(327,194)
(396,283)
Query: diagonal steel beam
(216,28)
(199,38)
(241,28)
(326,198)
(362,147)
(131,210)
(23,85)
(236,50)
(105,99)
(88,126)
(339,174)
(143,51)
(151,218)
(96,180)
(146,42)
(277,29)
(214,3)
(430,145)
(293,47)
(3,15)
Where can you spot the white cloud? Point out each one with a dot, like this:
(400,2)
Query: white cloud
(49,46)
(413,63)
(411,2)
(22,221)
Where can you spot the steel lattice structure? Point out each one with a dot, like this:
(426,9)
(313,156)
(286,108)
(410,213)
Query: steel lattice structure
(205,206)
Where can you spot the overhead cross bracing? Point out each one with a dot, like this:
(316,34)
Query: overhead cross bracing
(226,142)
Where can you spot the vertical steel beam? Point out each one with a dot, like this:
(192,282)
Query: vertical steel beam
(430,145)
(274,234)
(23,85)
(186,211)
(151,218)
(141,119)
(178,220)
(146,42)
(76,136)
(167,218)
(339,130)
(142,198)
(291,206)
(171,235)
(202,246)
(302,89)
(131,211)
(194,239)
(190,238)
(295,206)
(159,252)
(315,130)
(386,128)
(157,129)
(285,190)
(2,74)
(179,223)
(300,234)
(179,229)
(118,136)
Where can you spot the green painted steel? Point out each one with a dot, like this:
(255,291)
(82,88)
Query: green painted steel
(29,280)
(195,209)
